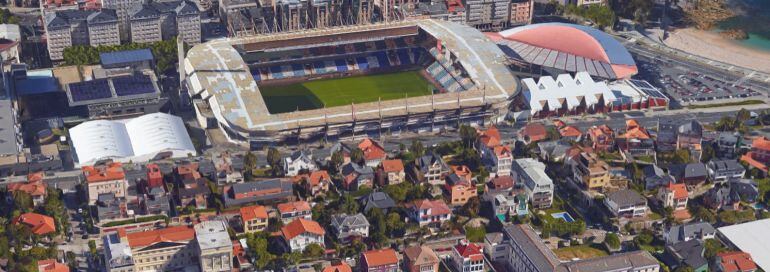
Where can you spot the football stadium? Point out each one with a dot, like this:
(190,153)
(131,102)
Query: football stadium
(422,75)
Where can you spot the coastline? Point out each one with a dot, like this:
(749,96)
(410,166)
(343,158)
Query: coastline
(713,46)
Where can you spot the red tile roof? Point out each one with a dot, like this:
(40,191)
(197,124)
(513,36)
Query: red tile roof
(761,143)
(32,188)
(341,267)
(559,123)
(749,158)
(296,206)
(503,151)
(390,166)
(470,250)
(51,265)
(736,261)
(534,131)
(100,173)
(317,176)
(380,257)
(570,131)
(170,234)
(300,226)
(489,137)
(372,150)
(252,212)
(635,131)
(154,176)
(39,224)
(679,189)
(601,130)
(438,206)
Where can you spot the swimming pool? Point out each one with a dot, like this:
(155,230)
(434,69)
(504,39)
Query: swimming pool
(564,216)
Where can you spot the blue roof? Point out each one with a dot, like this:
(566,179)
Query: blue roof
(37,82)
(110,58)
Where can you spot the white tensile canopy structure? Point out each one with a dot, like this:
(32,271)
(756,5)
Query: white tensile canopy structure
(139,140)
(565,89)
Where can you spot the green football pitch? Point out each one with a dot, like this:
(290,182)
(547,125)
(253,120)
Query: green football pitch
(342,91)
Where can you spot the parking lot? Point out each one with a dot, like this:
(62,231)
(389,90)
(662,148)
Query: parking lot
(686,85)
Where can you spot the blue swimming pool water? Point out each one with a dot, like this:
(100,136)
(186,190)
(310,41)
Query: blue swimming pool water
(564,216)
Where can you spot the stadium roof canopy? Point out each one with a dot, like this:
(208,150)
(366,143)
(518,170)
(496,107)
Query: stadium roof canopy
(750,237)
(564,89)
(568,47)
(140,139)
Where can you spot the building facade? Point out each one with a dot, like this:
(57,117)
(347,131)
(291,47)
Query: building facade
(215,251)
(67,28)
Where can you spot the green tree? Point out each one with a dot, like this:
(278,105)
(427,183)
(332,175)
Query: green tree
(274,160)
(471,208)
(612,240)
(92,247)
(417,148)
(249,163)
(349,205)
(357,156)
(313,251)
(468,135)
(378,226)
(22,201)
(258,246)
(336,161)
(712,247)
(396,226)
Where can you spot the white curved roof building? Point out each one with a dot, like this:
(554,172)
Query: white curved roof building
(140,139)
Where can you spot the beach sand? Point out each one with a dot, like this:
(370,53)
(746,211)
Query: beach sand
(713,46)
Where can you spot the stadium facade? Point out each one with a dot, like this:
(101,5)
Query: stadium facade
(472,83)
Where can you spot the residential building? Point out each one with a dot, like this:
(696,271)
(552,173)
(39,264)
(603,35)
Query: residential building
(591,172)
(522,11)
(103,179)
(51,265)
(192,188)
(163,249)
(636,140)
(270,190)
(156,21)
(317,182)
(723,170)
(526,252)
(420,259)
(496,156)
(468,257)
(570,133)
(686,254)
(496,248)
(391,172)
(34,187)
(730,194)
(349,227)
(122,9)
(66,28)
(553,151)
(690,231)
(429,212)
(531,174)
(294,210)
(379,260)
(356,176)
(509,205)
(459,187)
(689,135)
(726,144)
(299,160)
(374,154)
(300,233)
(626,203)
(692,174)
(655,177)
(602,138)
(674,195)
(378,200)
(254,218)
(432,168)
(109,207)
(37,224)
(214,248)
(759,156)
(337,266)
(500,184)
(590,2)
(532,133)
(734,261)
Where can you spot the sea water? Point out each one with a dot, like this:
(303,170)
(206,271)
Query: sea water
(754,18)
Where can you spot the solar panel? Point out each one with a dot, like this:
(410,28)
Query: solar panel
(133,85)
(90,90)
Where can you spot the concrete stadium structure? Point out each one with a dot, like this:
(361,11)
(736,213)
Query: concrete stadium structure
(469,71)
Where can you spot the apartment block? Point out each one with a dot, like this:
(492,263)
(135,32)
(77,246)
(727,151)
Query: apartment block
(67,28)
(156,21)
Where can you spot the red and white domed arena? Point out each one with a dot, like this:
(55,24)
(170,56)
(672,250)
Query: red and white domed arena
(567,47)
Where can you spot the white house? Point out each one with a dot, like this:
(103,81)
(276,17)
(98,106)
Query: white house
(300,233)
(297,161)
(626,203)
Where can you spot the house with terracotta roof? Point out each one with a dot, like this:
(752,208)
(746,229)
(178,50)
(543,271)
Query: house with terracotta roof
(759,156)
(468,257)
(379,260)
(602,138)
(636,140)
(391,172)
(674,195)
(162,249)
(34,187)
(532,133)
(374,154)
(337,266)
(317,182)
(496,156)
(500,184)
(51,265)
(429,212)
(192,188)
(734,261)
(570,133)
(254,218)
(420,259)
(300,233)
(459,187)
(154,176)
(103,179)
(37,223)
(294,210)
